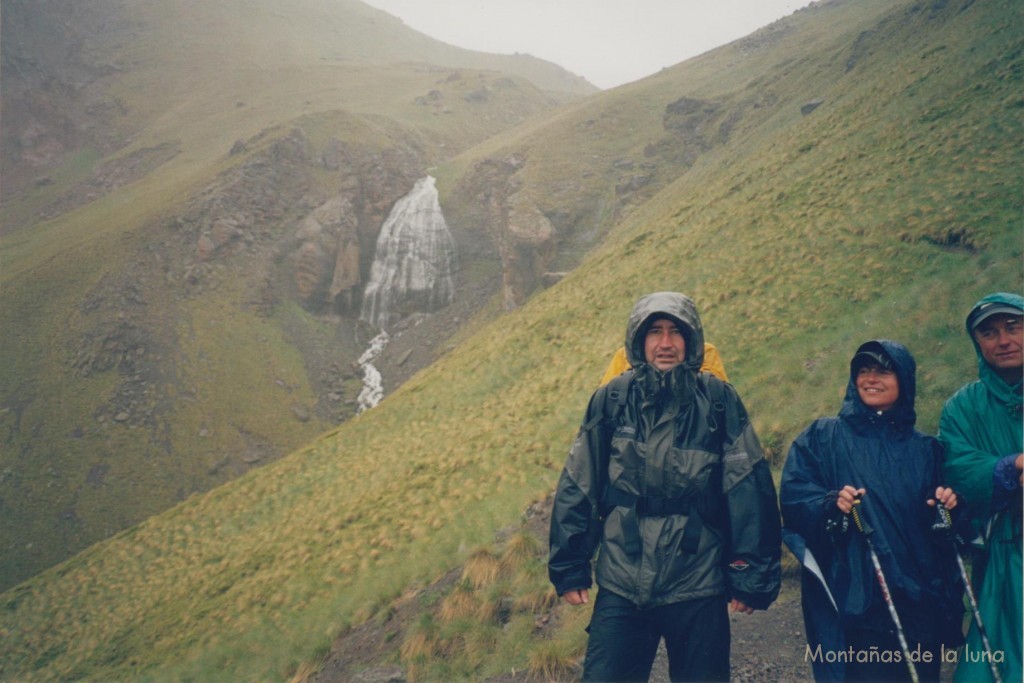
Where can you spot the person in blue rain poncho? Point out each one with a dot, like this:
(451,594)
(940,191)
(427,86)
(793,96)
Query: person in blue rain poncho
(871,455)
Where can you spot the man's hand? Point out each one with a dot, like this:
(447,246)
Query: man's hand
(579,597)
(737,606)
(847,495)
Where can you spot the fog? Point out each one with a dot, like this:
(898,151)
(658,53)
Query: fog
(608,42)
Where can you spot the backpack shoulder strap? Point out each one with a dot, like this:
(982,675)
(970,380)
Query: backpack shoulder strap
(716,390)
(612,397)
(618,392)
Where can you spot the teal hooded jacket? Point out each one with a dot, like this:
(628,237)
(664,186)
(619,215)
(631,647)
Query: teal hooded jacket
(981,425)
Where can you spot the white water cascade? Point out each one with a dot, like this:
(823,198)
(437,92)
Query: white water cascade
(413,263)
(373,388)
(411,272)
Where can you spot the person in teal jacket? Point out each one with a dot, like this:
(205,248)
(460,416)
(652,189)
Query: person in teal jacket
(981,431)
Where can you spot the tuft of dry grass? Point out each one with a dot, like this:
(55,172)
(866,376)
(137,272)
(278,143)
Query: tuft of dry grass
(305,672)
(420,644)
(481,569)
(462,602)
(521,549)
(489,609)
(536,601)
(551,662)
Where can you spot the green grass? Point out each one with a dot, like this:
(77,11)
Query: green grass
(799,239)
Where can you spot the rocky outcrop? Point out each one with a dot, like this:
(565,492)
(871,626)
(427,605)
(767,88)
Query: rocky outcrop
(273,209)
(347,276)
(54,99)
(327,262)
(524,236)
(526,244)
(808,107)
(692,122)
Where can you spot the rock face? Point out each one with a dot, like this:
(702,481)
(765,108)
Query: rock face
(54,97)
(323,238)
(346,275)
(523,234)
(696,124)
(328,258)
(526,244)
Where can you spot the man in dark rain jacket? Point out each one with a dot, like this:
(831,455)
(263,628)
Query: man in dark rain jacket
(872,453)
(668,477)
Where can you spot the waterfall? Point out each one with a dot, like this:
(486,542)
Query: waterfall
(411,272)
(413,261)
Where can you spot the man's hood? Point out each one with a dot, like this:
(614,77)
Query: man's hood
(901,415)
(997,298)
(679,308)
(1009,395)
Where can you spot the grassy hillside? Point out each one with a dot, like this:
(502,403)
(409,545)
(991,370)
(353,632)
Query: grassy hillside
(899,171)
(102,315)
(134,374)
(886,211)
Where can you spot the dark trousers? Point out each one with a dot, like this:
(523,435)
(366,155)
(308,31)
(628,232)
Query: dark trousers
(624,640)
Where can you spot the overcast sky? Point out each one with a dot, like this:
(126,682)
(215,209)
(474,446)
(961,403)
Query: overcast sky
(608,42)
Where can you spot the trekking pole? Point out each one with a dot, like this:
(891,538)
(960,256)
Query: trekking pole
(944,525)
(867,531)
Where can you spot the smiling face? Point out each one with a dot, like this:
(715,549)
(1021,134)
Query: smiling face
(664,344)
(1000,339)
(877,387)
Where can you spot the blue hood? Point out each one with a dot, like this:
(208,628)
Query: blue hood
(901,416)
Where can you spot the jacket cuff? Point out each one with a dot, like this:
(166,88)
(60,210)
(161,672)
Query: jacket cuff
(752,600)
(1005,482)
(836,523)
(575,581)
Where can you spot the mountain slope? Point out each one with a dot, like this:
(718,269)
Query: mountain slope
(113,75)
(167,319)
(641,137)
(885,211)
(86,81)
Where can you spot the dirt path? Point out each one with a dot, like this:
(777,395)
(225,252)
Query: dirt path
(767,646)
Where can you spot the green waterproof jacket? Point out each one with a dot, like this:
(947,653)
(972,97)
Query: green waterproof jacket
(668,478)
(980,425)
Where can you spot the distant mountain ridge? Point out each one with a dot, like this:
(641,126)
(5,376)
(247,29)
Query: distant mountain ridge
(100,61)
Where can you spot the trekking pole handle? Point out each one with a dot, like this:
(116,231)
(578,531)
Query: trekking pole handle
(858,520)
(944,520)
